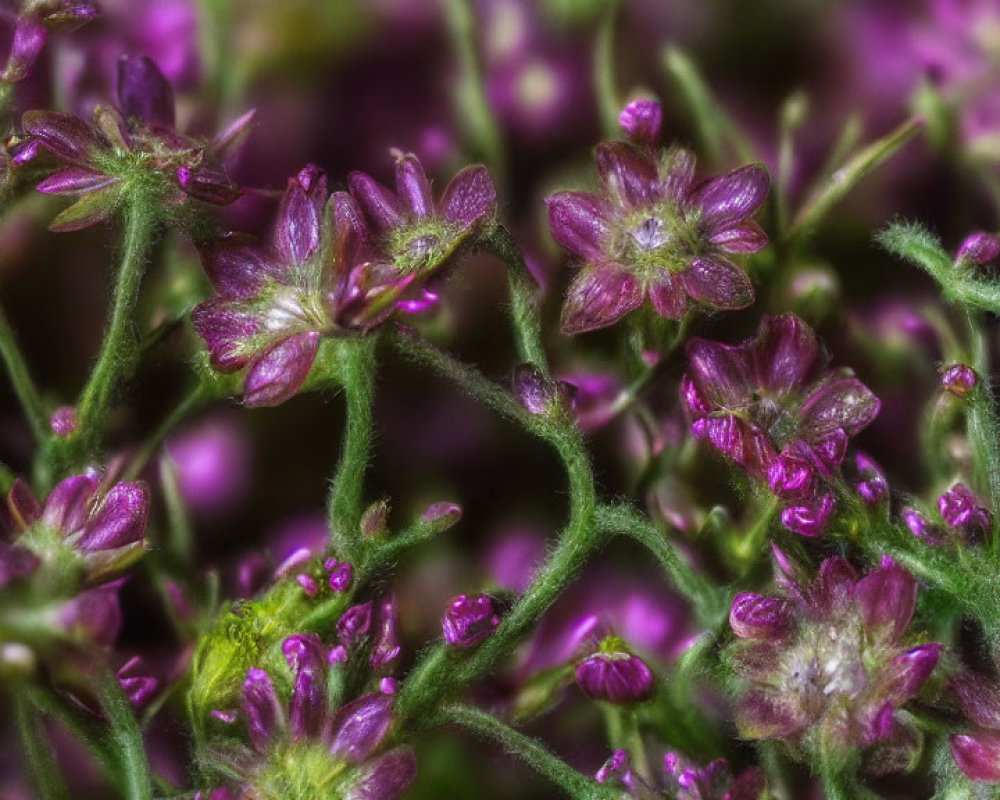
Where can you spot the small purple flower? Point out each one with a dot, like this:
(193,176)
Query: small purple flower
(63,421)
(922,528)
(771,405)
(469,620)
(826,665)
(871,483)
(101,159)
(341,574)
(537,394)
(135,681)
(714,781)
(961,510)
(354,624)
(959,380)
(615,675)
(978,249)
(652,233)
(411,232)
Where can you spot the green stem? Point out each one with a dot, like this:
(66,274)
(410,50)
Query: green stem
(531,751)
(117,356)
(523,298)
(20,379)
(126,737)
(608,101)
(984,431)
(708,601)
(474,109)
(38,752)
(357,375)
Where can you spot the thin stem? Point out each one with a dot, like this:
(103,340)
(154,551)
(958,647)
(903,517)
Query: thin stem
(984,431)
(357,375)
(608,102)
(20,379)
(126,736)
(474,109)
(523,298)
(117,356)
(38,752)
(529,750)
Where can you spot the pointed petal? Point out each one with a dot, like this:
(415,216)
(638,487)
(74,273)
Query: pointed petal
(360,727)
(599,296)
(755,616)
(722,373)
(304,651)
(74,180)
(227,329)
(307,708)
(277,375)
(144,93)
(746,237)
(234,133)
(642,120)
(68,504)
(297,232)
(469,197)
(833,590)
(261,711)
(668,296)
(120,519)
(578,222)
(809,519)
(379,204)
(413,187)
(677,174)
(387,778)
(730,198)
(350,230)
(29,38)
(738,441)
(22,505)
(977,754)
(66,136)
(91,208)
(208,185)
(237,266)
(886,598)
(843,402)
(909,671)
(718,283)
(627,173)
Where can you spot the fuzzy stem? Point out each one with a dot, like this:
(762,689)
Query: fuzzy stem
(984,431)
(608,102)
(357,375)
(127,739)
(20,379)
(38,753)
(531,751)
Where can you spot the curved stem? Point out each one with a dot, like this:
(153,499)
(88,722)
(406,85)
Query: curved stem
(127,740)
(38,752)
(984,430)
(20,379)
(357,376)
(531,751)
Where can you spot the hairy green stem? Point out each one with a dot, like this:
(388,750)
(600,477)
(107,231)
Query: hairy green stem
(984,430)
(126,737)
(357,376)
(531,751)
(20,379)
(38,751)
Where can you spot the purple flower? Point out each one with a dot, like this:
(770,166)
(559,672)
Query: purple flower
(213,462)
(979,249)
(133,144)
(962,511)
(97,528)
(615,675)
(63,421)
(682,780)
(302,742)
(959,380)
(32,28)
(826,665)
(469,620)
(652,233)
(771,405)
(413,234)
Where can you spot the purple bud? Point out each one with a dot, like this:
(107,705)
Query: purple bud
(63,421)
(143,92)
(533,390)
(375,520)
(303,651)
(809,520)
(959,380)
(790,476)
(355,624)
(307,708)
(978,248)
(120,519)
(617,769)
(361,726)
(308,584)
(387,778)
(618,677)
(337,655)
(960,509)
(921,527)
(387,646)
(755,616)
(641,120)
(341,574)
(261,711)
(443,514)
(469,620)
(872,485)
(388,685)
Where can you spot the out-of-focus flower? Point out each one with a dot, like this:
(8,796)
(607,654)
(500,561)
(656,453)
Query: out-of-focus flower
(652,233)
(959,380)
(213,461)
(826,664)
(83,531)
(131,147)
(682,780)
(63,421)
(771,405)
(35,21)
(135,681)
(469,620)
(302,747)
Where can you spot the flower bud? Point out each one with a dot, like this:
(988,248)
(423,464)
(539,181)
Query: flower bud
(615,675)
(641,120)
(469,620)
(341,574)
(960,509)
(978,248)
(535,392)
(63,421)
(921,527)
(959,380)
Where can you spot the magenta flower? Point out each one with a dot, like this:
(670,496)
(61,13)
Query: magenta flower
(977,751)
(469,620)
(132,146)
(959,380)
(34,24)
(652,233)
(682,780)
(303,747)
(412,233)
(826,664)
(615,675)
(978,249)
(771,405)
(83,529)
(961,511)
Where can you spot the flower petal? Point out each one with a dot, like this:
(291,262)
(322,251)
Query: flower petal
(722,373)
(730,198)
(763,716)
(628,174)
(841,402)
(745,444)
(237,266)
(413,187)
(74,180)
(277,375)
(668,296)
(718,283)
(599,296)
(297,231)
(909,671)
(29,38)
(227,329)
(886,598)
(68,504)
(120,519)
(469,197)
(379,204)
(387,778)
(676,174)
(833,590)
(746,237)
(641,120)
(261,710)
(211,186)
(360,727)
(66,136)
(977,754)
(578,222)
(144,93)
